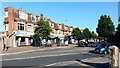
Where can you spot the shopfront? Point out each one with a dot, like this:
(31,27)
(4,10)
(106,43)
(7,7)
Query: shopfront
(23,38)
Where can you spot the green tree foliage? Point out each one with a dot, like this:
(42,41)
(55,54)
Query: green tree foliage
(76,33)
(100,38)
(42,30)
(86,34)
(93,35)
(117,36)
(105,26)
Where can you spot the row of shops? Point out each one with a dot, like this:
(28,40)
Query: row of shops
(20,38)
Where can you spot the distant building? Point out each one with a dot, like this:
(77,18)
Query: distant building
(20,25)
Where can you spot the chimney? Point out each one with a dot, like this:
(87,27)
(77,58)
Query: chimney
(41,15)
(20,8)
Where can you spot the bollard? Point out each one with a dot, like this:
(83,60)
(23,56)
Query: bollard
(113,57)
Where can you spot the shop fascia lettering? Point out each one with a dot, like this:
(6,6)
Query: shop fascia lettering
(24,33)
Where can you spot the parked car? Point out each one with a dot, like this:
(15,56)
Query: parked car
(82,43)
(90,42)
(103,48)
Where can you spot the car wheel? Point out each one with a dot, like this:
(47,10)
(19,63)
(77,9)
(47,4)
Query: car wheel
(105,52)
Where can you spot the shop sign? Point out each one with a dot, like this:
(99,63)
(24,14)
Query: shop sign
(24,34)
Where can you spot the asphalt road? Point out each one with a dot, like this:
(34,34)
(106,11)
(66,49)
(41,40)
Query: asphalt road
(51,57)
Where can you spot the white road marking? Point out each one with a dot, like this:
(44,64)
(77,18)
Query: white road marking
(33,50)
(38,57)
(43,50)
(62,63)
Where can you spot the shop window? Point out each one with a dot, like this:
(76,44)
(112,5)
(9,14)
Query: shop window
(22,39)
(17,38)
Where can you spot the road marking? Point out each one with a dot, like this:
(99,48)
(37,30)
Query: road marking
(43,50)
(53,64)
(38,57)
(61,63)
(34,50)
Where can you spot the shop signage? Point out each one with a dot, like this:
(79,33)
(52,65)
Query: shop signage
(28,34)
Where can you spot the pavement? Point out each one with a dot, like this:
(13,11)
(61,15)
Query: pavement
(93,62)
(89,62)
(23,49)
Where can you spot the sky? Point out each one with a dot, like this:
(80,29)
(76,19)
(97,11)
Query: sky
(76,14)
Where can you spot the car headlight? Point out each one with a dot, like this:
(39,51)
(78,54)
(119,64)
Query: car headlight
(102,49)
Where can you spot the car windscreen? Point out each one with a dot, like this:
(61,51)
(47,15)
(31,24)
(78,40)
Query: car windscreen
(102,45)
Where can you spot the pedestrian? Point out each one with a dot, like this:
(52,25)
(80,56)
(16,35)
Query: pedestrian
(4,47)
(7,47)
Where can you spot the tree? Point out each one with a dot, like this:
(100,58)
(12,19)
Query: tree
(42,30)
(100,38)
(117,36)
(93,35)
(105,26)
(86,34)
(77,35)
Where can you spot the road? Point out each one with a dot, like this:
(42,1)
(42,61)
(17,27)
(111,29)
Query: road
(53,57)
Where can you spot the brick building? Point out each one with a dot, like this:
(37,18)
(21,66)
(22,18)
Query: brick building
(20,25)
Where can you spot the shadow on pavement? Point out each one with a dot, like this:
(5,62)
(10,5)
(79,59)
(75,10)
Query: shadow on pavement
(96,65)
(93,46)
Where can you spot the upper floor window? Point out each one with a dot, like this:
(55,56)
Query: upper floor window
(70,33)
(39,18)
(33,18)
(23,15)
(6,14)
(71,29)
(52,24)
(66,28)
(20,26)
(52,31)
(6,27)
(30,28)
(60,32)
(60,26)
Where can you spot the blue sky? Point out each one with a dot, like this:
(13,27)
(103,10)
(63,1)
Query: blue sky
(76,14)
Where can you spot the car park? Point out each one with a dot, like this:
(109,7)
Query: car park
(103,48)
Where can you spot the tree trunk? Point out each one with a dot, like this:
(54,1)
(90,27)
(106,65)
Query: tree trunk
(78,41)
(104,39)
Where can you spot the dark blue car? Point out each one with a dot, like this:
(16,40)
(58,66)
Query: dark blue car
(103,48)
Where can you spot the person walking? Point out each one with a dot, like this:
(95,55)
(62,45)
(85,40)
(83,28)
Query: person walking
(4,47)
(7,47)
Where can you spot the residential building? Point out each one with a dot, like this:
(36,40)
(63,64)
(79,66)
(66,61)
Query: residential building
(20,25)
